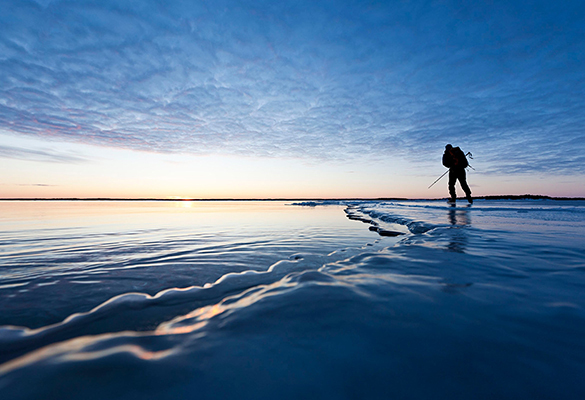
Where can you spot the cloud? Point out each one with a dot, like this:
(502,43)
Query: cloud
(28,184)
(314,79)
(36,184)
(20,153)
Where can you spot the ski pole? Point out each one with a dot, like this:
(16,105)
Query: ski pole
(471,157)
(439,178)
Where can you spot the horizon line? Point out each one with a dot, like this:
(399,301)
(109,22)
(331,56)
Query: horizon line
(487,197)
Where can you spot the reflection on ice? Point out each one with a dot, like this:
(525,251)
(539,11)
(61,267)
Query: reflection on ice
(460,219)
(459,216)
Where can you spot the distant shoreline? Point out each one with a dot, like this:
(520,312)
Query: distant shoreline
(491,197)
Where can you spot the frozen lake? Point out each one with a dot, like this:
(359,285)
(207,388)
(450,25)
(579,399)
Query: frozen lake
(263,300)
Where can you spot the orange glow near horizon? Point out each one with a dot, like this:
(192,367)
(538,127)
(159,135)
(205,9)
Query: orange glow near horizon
(118,173)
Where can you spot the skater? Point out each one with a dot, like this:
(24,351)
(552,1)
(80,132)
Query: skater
(455,160)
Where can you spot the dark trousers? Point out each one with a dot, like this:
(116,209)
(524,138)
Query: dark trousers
(454,175)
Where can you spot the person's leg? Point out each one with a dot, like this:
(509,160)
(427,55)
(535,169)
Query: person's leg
(463,181)
(452,180)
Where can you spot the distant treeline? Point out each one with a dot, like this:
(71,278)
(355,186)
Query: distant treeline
(527,197)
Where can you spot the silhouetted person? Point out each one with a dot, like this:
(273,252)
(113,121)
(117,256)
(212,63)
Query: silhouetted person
(455,160)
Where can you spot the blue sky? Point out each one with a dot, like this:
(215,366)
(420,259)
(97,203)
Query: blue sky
(358,97)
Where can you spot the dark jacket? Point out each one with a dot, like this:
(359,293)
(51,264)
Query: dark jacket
(455,158)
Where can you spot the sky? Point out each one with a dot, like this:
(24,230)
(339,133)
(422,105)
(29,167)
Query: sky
(289,99)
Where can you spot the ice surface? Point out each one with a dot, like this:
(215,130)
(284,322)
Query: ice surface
(477,302)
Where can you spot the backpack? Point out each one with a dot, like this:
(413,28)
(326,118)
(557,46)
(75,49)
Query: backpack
(459,158)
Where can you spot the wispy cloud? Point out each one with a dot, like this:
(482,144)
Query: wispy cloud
(28,184)
(39,155)
(36,184)
(304,79)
